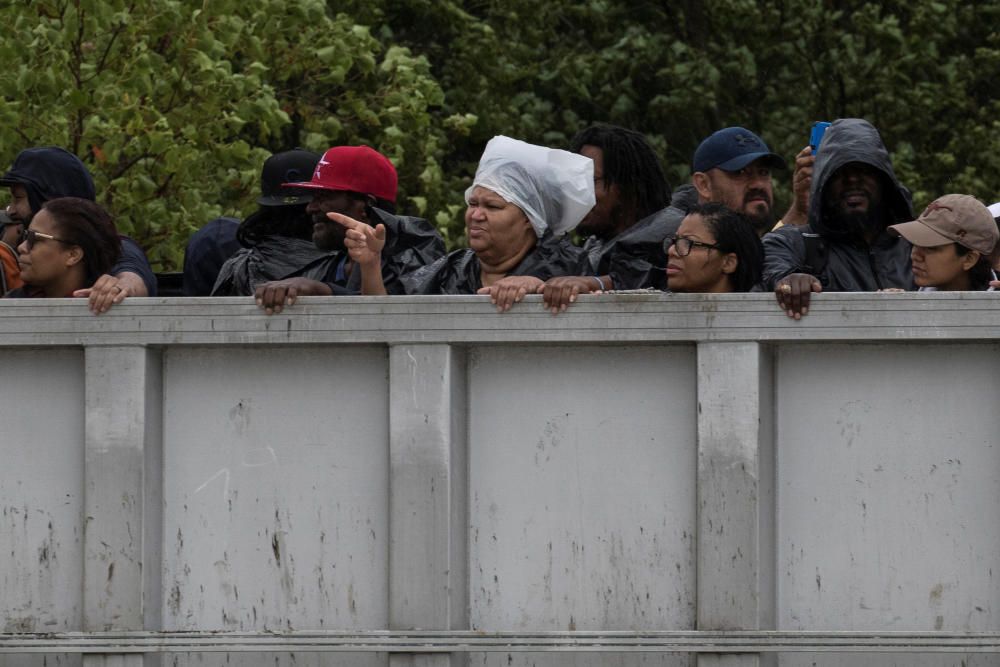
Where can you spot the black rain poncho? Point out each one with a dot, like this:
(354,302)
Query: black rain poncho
(272,258)
(847,263)
(410,244)
(460,273)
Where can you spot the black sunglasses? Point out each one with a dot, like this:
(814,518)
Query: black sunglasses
(684,245)
(31,237)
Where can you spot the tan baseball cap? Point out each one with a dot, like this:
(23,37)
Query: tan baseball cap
(960,219)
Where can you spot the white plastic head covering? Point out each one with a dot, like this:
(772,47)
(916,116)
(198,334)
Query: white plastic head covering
(554,188)
(995,210)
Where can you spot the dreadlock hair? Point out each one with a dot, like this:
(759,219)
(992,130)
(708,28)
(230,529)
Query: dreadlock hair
(84,223)
(629,163)
(734,233)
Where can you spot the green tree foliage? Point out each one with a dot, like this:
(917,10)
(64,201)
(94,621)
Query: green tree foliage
(925,73)
(174,104)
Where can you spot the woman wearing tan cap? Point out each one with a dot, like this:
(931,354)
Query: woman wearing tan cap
(953,242)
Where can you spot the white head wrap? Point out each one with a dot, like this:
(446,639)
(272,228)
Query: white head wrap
(995,210)
(554,188)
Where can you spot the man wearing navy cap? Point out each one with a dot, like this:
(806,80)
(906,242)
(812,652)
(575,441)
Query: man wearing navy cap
(733,167)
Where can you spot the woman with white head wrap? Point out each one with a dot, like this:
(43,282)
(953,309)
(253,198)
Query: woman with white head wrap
(523,201)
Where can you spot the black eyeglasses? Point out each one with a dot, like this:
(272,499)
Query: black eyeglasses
(31,237)
(684,245)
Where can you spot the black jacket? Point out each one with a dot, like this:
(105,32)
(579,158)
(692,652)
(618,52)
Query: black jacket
(635,259)
(459,272)
(272,258)
(206,253)
(410,244)
(841,258)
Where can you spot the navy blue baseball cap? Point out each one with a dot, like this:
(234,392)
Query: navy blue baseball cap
(731,149)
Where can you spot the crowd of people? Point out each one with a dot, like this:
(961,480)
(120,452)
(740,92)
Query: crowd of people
(327,225)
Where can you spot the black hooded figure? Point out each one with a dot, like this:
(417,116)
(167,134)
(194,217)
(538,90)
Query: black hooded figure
(847,252)
(50,172)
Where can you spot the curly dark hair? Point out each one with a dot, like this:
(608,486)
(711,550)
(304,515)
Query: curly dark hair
(86,224)
(734,233)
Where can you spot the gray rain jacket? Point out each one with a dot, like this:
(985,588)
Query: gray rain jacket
(841,258)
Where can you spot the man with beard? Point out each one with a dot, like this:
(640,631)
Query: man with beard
(359,182)
(845,247)
(733,167)
(624,246)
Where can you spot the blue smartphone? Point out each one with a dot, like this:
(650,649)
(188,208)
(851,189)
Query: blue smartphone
(816,135)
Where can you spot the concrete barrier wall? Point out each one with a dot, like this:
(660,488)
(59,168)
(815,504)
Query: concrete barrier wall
(640,463)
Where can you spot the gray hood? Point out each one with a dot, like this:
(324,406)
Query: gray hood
(855,140)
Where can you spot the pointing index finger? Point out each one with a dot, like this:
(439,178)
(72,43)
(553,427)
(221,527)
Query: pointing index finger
(345,220)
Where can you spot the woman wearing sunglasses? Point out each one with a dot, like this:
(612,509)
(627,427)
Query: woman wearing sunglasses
(714,250)
(69,244)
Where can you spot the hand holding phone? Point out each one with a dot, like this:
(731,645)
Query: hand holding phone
(816,134)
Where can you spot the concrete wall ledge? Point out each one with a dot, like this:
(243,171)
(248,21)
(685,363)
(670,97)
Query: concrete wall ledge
(627,318)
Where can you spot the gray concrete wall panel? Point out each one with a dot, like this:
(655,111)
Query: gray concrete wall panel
(582,499)
(41,495)
(275,490)
(888,477)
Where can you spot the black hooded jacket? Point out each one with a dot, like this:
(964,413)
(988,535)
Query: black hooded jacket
(841,258)
(51,172)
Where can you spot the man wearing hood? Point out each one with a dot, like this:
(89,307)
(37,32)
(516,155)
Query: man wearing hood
(845,247)
(41,174)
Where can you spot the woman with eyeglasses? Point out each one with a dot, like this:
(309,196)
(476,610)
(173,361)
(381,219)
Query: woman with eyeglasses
(714,250)
(70,243)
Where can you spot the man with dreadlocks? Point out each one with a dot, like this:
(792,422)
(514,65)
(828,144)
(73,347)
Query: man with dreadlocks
(624,249)
(276,240)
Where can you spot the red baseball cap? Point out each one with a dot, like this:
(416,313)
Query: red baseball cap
(353,169)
